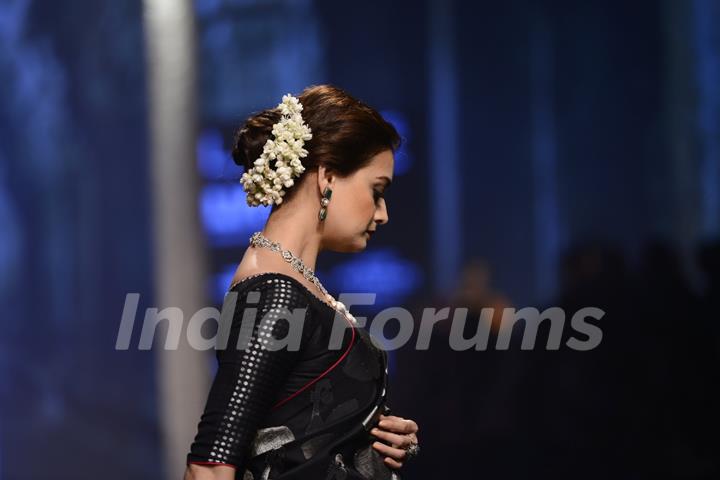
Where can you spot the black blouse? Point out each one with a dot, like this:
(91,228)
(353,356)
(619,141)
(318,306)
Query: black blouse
(263,396)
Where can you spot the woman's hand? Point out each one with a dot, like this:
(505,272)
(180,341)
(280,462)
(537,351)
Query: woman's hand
(399,433)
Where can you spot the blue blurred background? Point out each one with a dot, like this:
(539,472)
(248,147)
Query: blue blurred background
(556,153)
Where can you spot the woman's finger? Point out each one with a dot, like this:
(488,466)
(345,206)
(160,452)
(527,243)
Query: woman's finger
(413,426)
(391,462)
(396,453)
(397,424)
(395,440)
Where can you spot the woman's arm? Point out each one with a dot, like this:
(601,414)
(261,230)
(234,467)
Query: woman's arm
(247,380)
(209,472)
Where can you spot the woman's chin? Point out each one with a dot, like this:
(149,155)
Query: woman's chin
(365,240)
(355,247)
(359,245)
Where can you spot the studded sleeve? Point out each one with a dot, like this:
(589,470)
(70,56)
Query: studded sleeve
(249,379)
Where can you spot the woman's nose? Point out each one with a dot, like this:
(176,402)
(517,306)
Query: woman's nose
(381,215)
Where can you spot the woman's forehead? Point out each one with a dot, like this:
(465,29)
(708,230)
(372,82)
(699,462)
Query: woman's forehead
(382,164)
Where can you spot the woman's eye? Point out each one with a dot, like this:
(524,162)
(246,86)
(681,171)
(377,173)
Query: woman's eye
(378,195)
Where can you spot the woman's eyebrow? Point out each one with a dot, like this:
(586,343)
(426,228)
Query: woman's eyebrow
(388,181)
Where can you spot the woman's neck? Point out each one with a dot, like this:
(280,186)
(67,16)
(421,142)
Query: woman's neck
(293,232)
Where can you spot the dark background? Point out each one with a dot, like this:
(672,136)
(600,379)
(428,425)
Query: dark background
(580,151)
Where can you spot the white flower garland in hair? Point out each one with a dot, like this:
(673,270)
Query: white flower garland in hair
(265,184)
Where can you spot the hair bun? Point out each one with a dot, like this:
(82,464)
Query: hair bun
(251,137)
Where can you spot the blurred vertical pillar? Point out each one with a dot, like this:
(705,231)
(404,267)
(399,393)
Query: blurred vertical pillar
(706,20)
(680,193)
(693,120)
(544,158)
(183,374)
(443,145)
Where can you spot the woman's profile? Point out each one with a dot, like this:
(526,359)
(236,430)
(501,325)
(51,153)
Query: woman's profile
(322,161)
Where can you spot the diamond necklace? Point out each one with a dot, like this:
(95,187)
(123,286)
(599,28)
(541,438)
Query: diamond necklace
(259,240)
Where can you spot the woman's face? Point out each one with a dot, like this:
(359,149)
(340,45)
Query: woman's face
(357,206)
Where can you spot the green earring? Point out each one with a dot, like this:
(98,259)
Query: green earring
(327,193)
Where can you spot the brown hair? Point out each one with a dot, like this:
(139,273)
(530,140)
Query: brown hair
(346,132)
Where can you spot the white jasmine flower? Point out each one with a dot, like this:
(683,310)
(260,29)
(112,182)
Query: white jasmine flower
(263,182)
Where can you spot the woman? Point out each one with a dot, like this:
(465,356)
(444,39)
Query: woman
(323,162)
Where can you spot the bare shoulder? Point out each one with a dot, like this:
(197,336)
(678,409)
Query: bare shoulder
(254,264)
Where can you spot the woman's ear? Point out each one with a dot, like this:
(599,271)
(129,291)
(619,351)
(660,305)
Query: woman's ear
(324,178)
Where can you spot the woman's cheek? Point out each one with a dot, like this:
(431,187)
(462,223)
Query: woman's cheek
(371,203)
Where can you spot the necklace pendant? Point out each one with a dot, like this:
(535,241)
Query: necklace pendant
(296,264)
